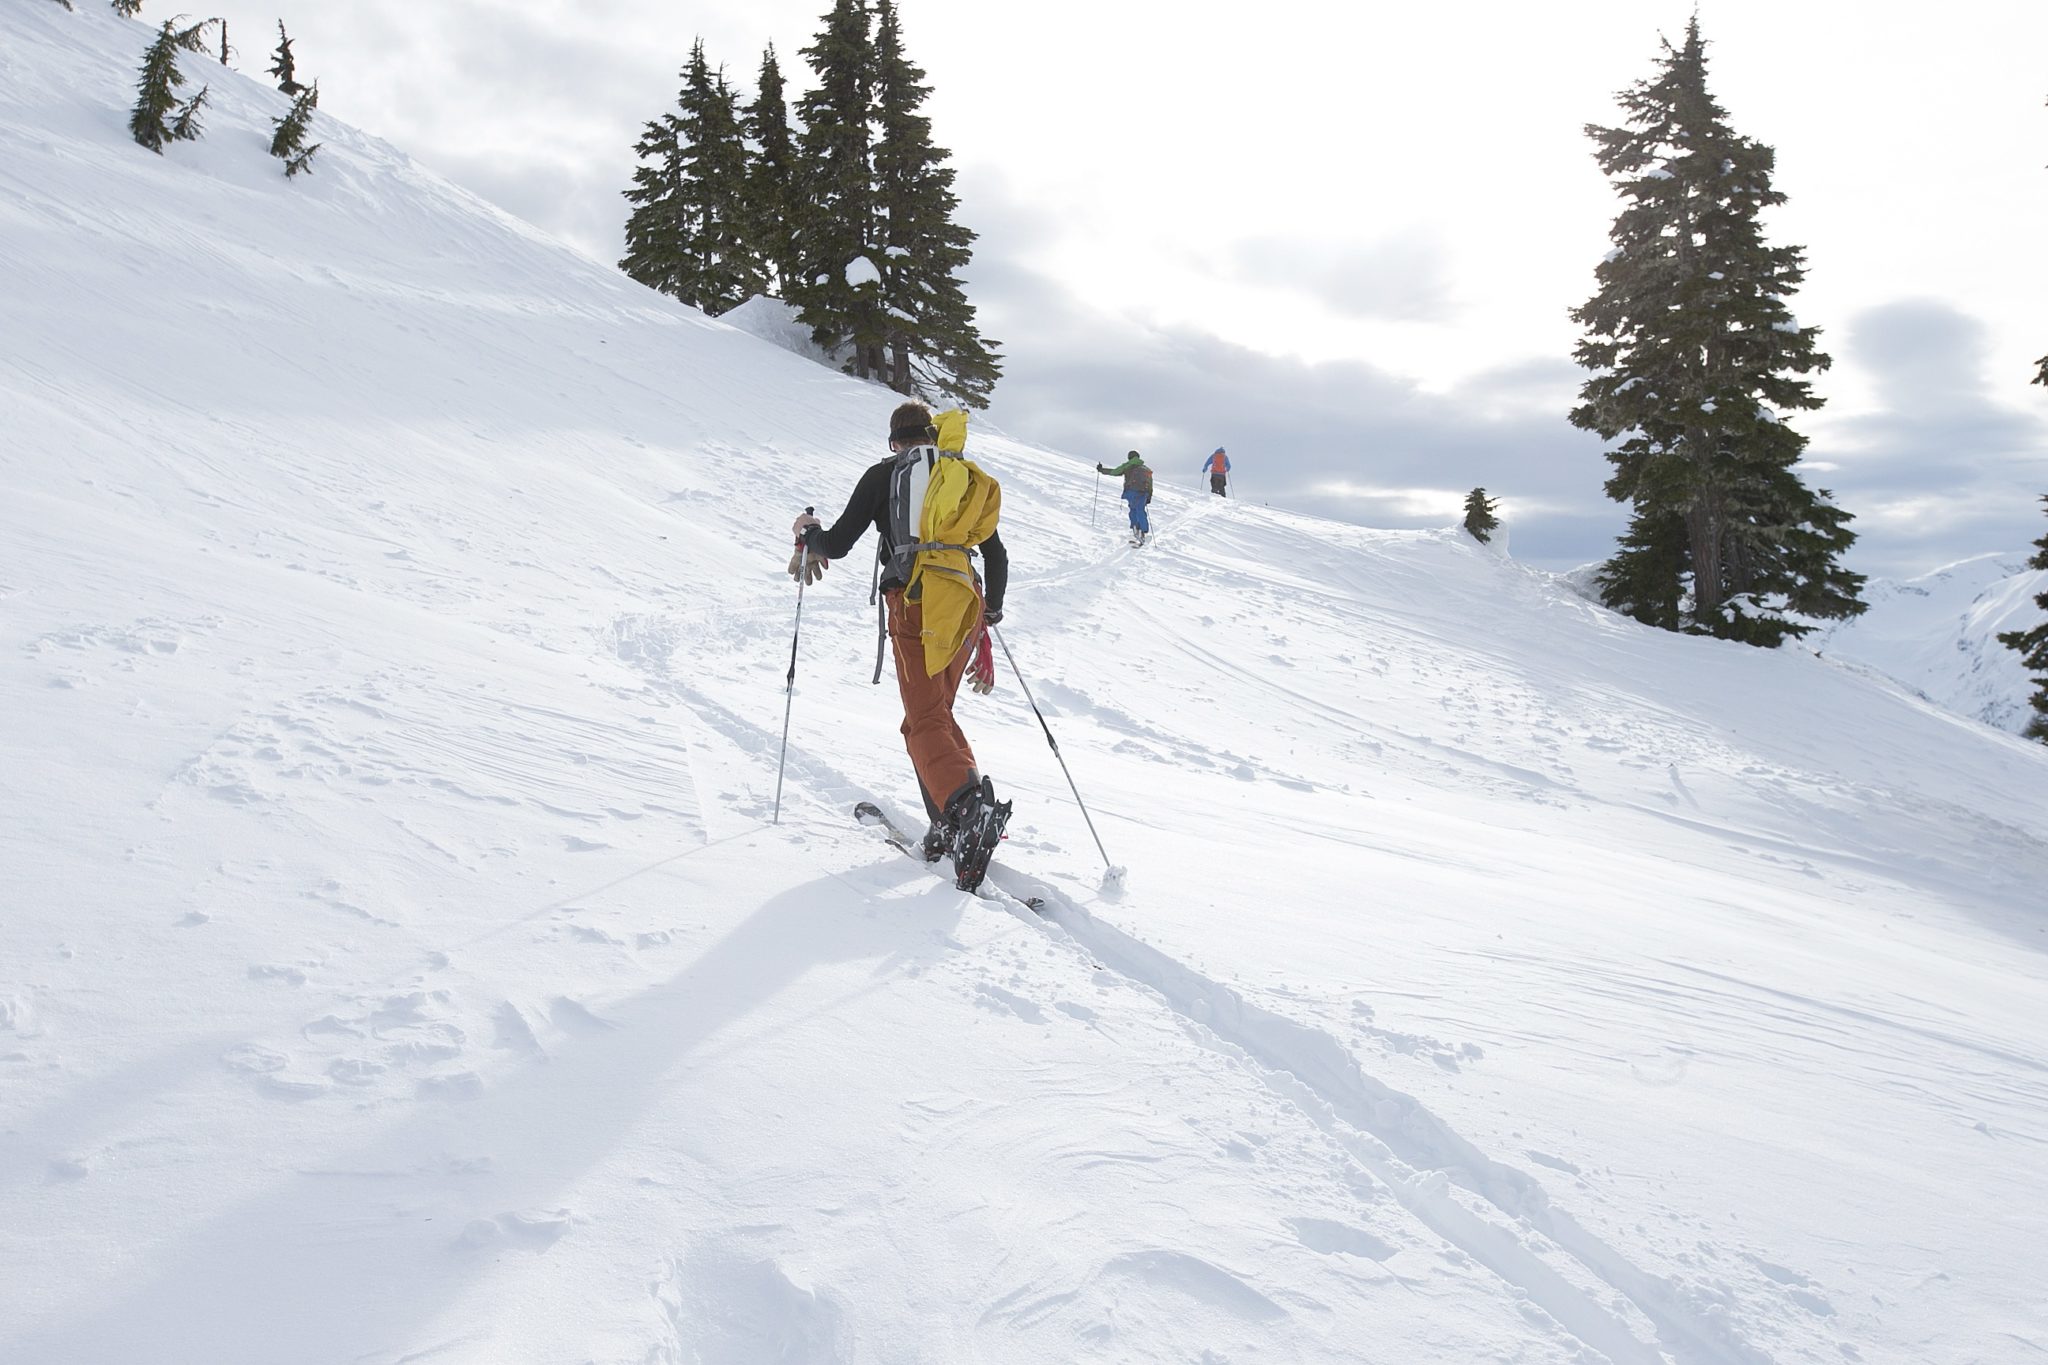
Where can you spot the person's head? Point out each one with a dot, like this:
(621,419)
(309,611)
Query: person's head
(911,425)
(1134,455)
(1219,450)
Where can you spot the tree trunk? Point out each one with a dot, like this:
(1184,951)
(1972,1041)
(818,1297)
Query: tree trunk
(899,362)
(1703,517)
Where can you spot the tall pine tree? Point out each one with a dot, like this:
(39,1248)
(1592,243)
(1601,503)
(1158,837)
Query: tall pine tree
(933,345)
(655,230)
(1694,357)
(724,269)
(2033,648)
(773,195)
(689,233)
(837,286)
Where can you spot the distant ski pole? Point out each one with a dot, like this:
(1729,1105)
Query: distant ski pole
(1094,506)
(803,564)
(1115,872)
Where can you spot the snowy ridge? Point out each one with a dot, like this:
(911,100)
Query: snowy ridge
(1938,635)
(398,963)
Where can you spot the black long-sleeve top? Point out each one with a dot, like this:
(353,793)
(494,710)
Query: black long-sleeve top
(869,506)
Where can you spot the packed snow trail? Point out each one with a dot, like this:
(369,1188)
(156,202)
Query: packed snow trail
(398,962)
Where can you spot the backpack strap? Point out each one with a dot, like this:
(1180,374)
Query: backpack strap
(881,615)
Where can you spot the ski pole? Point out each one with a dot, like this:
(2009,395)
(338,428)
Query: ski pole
(1114,870)
(1095,505)
(803,564)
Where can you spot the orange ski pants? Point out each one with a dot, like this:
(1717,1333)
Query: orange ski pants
(938,750)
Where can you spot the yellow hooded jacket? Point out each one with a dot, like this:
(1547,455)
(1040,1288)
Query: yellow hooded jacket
(961,506)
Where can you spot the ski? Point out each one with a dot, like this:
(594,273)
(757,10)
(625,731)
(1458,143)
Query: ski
(910,846)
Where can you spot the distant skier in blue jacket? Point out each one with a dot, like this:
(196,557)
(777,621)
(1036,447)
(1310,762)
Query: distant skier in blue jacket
(1216,466)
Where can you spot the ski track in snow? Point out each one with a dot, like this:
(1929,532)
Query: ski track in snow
(1391,1137)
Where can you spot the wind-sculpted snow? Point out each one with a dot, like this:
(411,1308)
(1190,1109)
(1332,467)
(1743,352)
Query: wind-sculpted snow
(398,962)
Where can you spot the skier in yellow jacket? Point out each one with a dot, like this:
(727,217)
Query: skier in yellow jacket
(935,607)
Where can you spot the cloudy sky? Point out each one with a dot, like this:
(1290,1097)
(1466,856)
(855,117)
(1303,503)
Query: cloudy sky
(1342,239)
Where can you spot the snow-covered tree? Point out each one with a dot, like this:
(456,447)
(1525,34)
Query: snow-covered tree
(129,8)
(2033,647)
(1695,359)
(934,347)
(288,134)
(1479,517)
(283,65)
(158,116)
(773,194)
(837,288)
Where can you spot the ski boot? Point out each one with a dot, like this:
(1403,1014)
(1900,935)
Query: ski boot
(977,821)
(936,841)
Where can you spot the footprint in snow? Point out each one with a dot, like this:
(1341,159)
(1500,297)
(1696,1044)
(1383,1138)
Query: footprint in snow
(1339,1239)
(521,1231)
(992,997)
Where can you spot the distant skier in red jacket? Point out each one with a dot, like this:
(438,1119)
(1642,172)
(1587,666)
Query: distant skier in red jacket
(1216,466)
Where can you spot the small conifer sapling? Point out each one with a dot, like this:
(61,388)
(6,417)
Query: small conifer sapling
(282,65)
(2032,646)
(158,117)
(288,137)
(1479,517)
(126,8)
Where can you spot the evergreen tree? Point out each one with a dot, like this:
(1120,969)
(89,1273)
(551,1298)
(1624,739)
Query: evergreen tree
(288,134)
(933,345)
(1479,517)
(655,230)
(1694,356)
(837,285)
(126,8)
(773,196)
(689,234)
(282,64)
(186,126)
(226,53)
(153,121)
(67,5)
(2033,648)
(724,269)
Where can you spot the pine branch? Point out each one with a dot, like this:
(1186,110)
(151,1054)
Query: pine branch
(187,128)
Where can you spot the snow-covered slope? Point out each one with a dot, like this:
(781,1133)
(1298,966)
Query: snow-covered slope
(1938,634)
(397,962)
